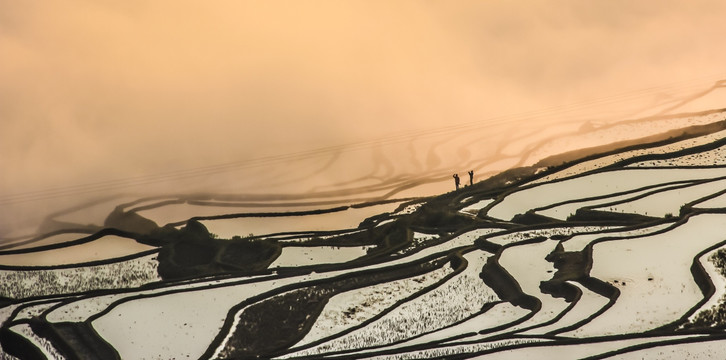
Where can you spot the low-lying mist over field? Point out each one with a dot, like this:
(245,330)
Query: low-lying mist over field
(99,98)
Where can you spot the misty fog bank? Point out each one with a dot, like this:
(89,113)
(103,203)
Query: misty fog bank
(277,97)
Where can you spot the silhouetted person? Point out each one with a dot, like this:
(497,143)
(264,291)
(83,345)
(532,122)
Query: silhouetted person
(457,181)
(471,177)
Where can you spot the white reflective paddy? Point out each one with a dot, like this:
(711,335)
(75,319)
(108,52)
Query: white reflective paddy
(597,184)
(317,255)
(653,276)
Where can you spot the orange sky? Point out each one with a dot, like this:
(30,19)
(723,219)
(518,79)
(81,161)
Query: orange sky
(99,90)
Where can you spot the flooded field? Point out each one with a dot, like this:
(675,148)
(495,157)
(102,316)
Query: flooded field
(617,249)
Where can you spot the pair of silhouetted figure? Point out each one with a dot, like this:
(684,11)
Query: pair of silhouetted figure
(457,181)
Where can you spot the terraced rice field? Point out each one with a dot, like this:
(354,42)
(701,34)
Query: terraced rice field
(617,254)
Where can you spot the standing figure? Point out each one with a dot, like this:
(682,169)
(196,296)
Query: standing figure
(456,181)
(471,177)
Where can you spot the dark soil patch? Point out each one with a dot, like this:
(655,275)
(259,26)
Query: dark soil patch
(506,287)
(715,316)
(570,265)
(17,345)
(597,216)
(531,218)
(75,340)
(193,251)
(277,323)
